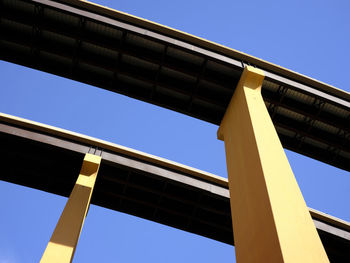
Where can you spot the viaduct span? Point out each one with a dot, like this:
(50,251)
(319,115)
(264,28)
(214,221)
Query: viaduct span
(147,61)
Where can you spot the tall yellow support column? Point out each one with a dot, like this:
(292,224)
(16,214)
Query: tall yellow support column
(64,239)
(271,222)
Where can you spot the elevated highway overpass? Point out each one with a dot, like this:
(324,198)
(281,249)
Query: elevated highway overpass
(147,61)
(153,63)
(136,183)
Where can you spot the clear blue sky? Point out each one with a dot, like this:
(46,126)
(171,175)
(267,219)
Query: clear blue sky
(310,37)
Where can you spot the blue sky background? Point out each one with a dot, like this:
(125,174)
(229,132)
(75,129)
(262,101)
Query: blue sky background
(310,37)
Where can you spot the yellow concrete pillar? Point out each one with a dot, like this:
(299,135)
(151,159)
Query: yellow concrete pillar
(271,222)
(64,239)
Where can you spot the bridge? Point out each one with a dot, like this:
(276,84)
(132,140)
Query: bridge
(144,60)
(134,182)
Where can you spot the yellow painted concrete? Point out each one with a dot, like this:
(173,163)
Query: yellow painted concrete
(271,221)
(65,238)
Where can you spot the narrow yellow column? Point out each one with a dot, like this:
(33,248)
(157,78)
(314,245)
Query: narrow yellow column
(64,239)
(271,222)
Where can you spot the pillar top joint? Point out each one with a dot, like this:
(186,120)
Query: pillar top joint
(251,78)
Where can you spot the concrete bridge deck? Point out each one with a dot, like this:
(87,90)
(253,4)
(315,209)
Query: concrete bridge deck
(129,181)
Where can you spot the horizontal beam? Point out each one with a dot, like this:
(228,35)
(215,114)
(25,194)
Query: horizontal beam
(135,183)
(171,78)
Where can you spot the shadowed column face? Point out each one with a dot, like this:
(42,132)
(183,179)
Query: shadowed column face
(64,240)
(271,222)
